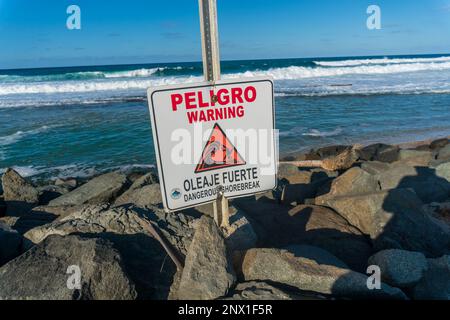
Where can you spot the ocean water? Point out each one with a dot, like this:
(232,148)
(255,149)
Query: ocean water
(84,120)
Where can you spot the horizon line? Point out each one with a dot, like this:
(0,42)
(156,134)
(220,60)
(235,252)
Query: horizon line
(229,60)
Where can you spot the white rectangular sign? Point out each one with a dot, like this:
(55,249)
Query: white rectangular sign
(213,136)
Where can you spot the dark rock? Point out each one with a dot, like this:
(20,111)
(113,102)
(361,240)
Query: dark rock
(299,268)
(299,193)
(327,152)
(48,193)
(42,272)
(279,226)
(379,152)
(207,273)
(145,260)
(439,143)
(261,291)
(400,268)
(19,194)
(102,189)
(435,285)
(394,219)
(10,244)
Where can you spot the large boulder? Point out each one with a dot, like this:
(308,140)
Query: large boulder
(394,219)
(43,272)
(144,258)
(435,285)
(353,181)
(279,226)
(10,243)
(324,228)
(306,269)
(207,273)
(19,194)
(101,189)
(400,268)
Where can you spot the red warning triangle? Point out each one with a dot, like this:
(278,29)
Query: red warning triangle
(218,153)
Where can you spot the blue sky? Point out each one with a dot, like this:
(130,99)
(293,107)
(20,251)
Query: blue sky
(34,34)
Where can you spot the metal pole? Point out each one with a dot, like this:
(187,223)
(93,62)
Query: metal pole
(210,39)
(211,71)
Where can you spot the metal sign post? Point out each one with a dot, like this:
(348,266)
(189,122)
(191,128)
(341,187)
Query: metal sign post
(211,71)
(210,39)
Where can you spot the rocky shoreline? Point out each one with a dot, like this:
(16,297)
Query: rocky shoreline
(314,237)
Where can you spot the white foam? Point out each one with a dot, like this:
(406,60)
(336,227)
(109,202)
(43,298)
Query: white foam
(358,62)
(318,133)
(91,86)
(133,73)
(294,72)
(13,138)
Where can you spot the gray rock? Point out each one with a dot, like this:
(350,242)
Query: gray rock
(255,290)
(305,273)
(435,285)
(10,243)
(424,181)
(262,291)
(415,157)
(67,183)
(42,272)
(299,193)
(400,268)
(439,143)
(142,197)
(353,181)
(208,273)
(375,167)
(379,152)
(317,254)
(48,193)
(293,174)
(326,152)
(19,194)
(443,171)
(443,154)
(146,261)
(279,226)
(177,227)
(102,189)
(394,219)
(239,235)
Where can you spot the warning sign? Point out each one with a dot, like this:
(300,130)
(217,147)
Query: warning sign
(219,152)
(213,136)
